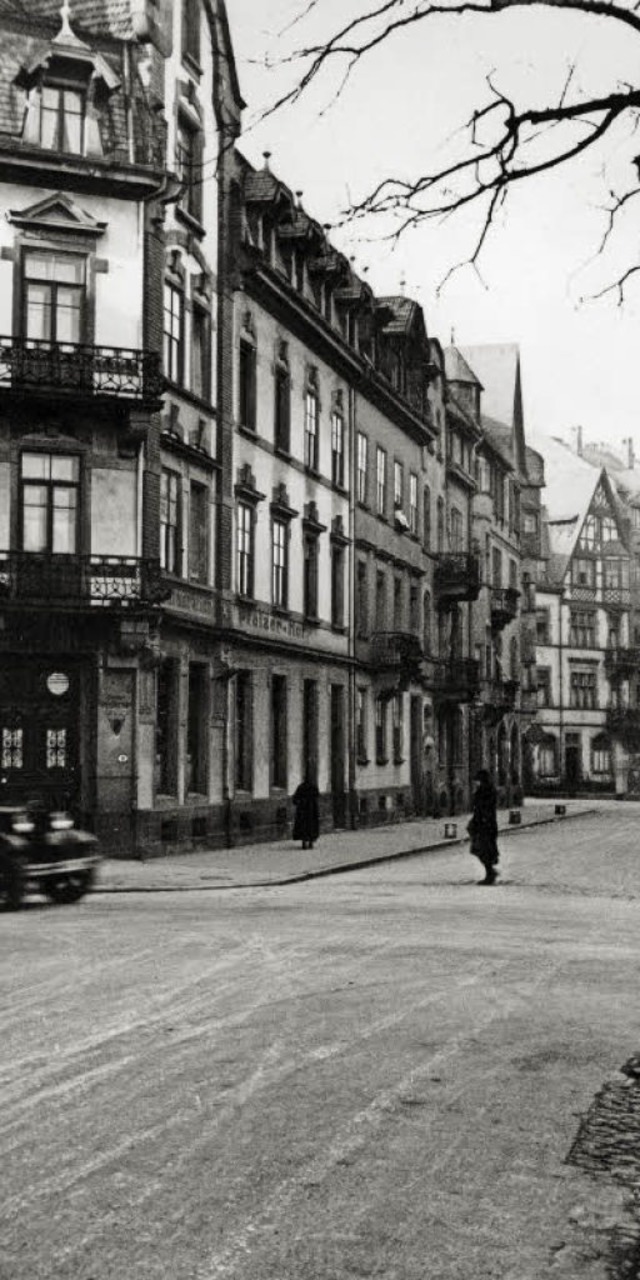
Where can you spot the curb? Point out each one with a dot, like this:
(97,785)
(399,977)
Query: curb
(319,873)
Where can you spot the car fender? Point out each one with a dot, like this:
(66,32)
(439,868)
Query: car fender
(13,843)
(69,839)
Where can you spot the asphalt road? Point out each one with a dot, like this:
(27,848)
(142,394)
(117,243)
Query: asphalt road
(381,1074)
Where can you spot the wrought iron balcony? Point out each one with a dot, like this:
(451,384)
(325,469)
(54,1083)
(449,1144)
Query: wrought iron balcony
(456,577)
(620,663)
(33,578)
(504,606)
(29,366)
(499,698)
(456,679)
(395,650)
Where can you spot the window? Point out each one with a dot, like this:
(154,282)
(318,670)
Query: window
(310,728)
(583,573)
(188,165)
(247,388)
(197,722)
(583,691)
(311,415)
(398,728)
(282,409)
(243,732)
(201,353)
(337,585)
(381,481)
(381,731)
(615,573)
(543,626)
(166,728)
(496,567)
(414,611)
(513,575)
(426,518)
(398,604)
(362,465)
(381,600)
(543,680)
(457,530)
(426,622)
(191,29)
(310,576)
(54,296)
(361,726)
(413,504)
(62,119)
(440,529)
(362,603)
(337,449)
(173,332)
(398,484)
(278,731)
(582,632)
(548,757)
(49,498)
(198,532)
(529,522)
(514,661)
(170,521)
(601,755)
(279,563)
(245,549)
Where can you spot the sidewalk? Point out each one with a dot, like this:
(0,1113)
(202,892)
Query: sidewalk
(283,862)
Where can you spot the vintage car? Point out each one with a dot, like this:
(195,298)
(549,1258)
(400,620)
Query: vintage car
(42,849)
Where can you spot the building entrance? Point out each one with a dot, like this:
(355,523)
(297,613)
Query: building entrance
(39,715)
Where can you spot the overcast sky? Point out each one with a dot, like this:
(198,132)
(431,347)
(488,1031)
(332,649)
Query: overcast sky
(580,361)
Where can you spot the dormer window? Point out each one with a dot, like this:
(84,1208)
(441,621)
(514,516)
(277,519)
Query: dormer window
(62,112)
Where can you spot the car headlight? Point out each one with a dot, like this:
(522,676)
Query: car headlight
(22,825)
(61,822)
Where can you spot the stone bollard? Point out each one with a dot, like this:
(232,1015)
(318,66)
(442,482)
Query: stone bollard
(560,810)
(515,817)
(450,830)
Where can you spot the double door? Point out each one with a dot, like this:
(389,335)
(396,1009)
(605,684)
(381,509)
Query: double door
(39,719)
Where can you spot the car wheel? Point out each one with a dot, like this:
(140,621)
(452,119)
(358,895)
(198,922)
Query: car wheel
(70,888)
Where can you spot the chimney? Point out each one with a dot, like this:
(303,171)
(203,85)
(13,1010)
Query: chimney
(577,432)
(631,457)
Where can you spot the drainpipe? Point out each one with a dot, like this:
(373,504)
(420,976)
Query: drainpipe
(351,752)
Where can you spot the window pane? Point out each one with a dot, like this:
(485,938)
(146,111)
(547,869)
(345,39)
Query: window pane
(36,466)
(68,315)
(38,312)
(65,469)
(63,540)
(34,518)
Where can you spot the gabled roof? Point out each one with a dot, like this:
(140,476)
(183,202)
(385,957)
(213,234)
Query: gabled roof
(457,369)
(499,437)
(497,366)
(571,485)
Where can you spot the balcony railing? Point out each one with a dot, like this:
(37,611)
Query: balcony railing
(504,606)
(499,698)
(102,581)
(395,650)
(455,679)
(620,663)
(30,366)
(456,577)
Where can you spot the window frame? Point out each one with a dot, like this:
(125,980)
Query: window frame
(51,485)
(381,481)
(173,337)
(279,562)
(171,530)
(245,549)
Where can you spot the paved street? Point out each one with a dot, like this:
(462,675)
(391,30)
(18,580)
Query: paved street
(382,1073)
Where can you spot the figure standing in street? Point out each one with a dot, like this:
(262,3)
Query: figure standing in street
(306,823)
(483,826)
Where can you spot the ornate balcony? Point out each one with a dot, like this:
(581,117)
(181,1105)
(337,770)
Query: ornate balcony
(33,578)
(456,578)
(504,606)
(79,370)
(455,679)
(621,663)
(499,697)
(395,650)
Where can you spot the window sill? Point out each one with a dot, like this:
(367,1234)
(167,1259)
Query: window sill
(362,761)
(364,506)
(201,402)
(191,221)
(312,471)
(191,64)
(339,628)
(251,432)
(311,620)
(282,452)
(382,759)
(399,759)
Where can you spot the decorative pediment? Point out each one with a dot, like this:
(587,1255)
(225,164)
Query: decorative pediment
(57,213)
(280,503)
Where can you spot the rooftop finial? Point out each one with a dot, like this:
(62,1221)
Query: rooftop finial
(299,198)
(267,157)
(453,336)
(403,284)
(65,34)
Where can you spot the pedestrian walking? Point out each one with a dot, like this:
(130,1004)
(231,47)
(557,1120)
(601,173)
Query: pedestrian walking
(483,826)
(306,822)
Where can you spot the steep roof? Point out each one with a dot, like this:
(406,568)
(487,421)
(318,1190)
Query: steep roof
(497,366)
(457,369)
(571,484)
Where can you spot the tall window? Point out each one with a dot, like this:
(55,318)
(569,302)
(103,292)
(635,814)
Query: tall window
(440,526)
(62,119)
(170,521)
(245,549)
(362,467)
(310,727)
(582,633)
(362,603)
(201,353)
(381,481)
(398,484)
(279,563)
(197,736)
(583,690)
(310,576)
(601,755)
(243,732)
(311,415)
(583,573)
(548,757)
(198,532)
(188,164)
(337,585)
(398,604)
(337,449)
(414,611)
(543,683)
(496,567)
(173,332)
(457,530)
(247,385)
(381,600)
(54,296)
(398,728)
(426,622)
(543,626)
(361,725)
(191,29)
(166,728)
(413,504)
(278,731)
(381,731)
(426,518)
(282,408)
(49,494)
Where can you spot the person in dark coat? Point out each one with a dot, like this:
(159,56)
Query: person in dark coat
(306,823)
(483,826)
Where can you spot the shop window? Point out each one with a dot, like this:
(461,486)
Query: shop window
(310,728)
(245,549)
(279,732)
(247,385)
(198,532)
(49,502)
(243,731)
(173,342)
(170,550)
(54,296)
(166,728)
(548,757)
(197,736)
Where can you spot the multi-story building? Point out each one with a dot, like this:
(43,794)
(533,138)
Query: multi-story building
(589,724)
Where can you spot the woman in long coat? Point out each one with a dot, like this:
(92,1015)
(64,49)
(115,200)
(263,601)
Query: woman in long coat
(306,823)
(483,827)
